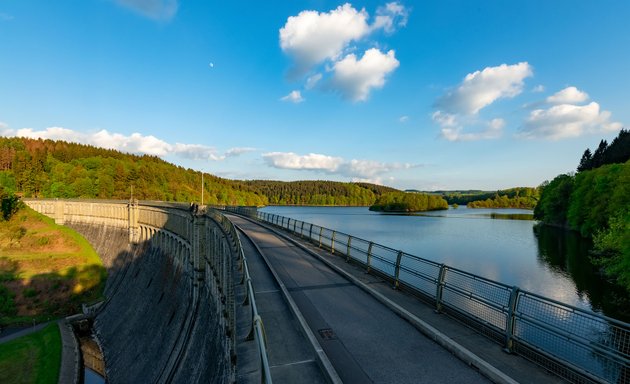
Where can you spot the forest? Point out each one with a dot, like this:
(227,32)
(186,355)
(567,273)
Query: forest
(522,197)
(408,202)
(58,169)
(596,202)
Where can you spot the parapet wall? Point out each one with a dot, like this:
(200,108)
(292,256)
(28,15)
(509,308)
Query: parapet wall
(168,315)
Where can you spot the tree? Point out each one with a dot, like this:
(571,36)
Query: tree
(585,161)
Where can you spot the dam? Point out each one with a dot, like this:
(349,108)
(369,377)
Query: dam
(189,289)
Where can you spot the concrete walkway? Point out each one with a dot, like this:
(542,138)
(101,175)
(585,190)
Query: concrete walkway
(365,340)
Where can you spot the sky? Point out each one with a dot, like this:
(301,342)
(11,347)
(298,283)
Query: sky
(428,95)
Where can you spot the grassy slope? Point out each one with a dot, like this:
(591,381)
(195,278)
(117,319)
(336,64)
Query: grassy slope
(33,358)
(50,269)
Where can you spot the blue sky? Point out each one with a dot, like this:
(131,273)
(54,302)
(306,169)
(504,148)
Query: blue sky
(425,94)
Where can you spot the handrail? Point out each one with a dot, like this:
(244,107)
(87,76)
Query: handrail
(577,344)
(257,326)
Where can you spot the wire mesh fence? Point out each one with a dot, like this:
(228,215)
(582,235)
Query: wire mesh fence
(576,344)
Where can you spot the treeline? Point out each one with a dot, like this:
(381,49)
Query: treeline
(522,197)
(596,203)
(318,192)
(58,169)
(617,152)
(408,202)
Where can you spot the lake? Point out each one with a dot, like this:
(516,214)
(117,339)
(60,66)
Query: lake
(487,242)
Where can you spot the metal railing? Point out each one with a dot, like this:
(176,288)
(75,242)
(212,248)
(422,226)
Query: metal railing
(256,332)
(576,344)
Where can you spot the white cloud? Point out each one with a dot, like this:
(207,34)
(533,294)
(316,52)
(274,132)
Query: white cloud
(153,9)
(566,120)
(312,37)
(357,170)
(539,88)
(293,97)
(493,130)
(482,88)
(390,16)
(135,143)
(325,42)
(312,81)
(312,161)
(460,106)
(403,119)
(233,152)
(354,79)
(569,95)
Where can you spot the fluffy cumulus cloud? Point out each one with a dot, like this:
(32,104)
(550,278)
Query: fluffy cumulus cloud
(322,43)
(569,95)
(293,97)
(154,9)
(482,88)
(354,79)
(460,106)
(568,116)
(312,37)
(357,170)
(135,143)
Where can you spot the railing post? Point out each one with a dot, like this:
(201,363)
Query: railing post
(332,243)
(320,236)
(369,257)
(310,233)
(440,288)
(397,271)
(511,318)
(348,249)
(302,230)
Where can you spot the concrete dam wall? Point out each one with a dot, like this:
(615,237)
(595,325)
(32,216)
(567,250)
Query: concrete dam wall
(168,311)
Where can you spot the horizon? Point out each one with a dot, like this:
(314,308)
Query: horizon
(459,95)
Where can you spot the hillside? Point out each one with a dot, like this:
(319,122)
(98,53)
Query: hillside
(319,192)
(47,168)
(596,203)
(46,270)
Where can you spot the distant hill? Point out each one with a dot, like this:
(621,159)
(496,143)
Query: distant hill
(319,192)
(47,168)
(519,197)
(58,169)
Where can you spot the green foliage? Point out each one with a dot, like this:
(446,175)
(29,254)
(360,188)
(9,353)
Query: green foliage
(612,248)
(595,203)
(553,205)
(57,169)
(318,192)
(408,202)
(523,197)
(9,204)
(33,358)
(7,303)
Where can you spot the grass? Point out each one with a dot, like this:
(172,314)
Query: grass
(48,269)
(33,358)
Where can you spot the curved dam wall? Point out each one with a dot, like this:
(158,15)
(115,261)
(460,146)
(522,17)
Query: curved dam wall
(168,314)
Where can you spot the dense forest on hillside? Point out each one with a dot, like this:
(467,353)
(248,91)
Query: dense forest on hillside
(521,197)
(408,202)
(46,168)
(595,202)
(58,169)
(318,192)
(617,152)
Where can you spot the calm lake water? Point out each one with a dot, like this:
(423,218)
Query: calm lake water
(547,261)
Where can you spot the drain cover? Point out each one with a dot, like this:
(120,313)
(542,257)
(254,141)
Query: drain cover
(327,334)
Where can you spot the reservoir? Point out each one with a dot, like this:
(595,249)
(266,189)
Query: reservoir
(493,243)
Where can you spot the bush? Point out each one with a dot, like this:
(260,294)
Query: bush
(7,305)
(9,204)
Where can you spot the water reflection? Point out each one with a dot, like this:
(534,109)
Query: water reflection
(567,253)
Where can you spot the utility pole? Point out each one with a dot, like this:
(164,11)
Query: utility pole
(202,188)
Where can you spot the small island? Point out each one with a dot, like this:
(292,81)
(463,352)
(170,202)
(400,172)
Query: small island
(405,202)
